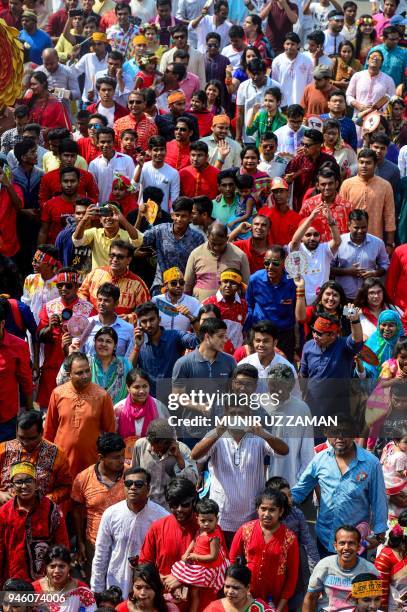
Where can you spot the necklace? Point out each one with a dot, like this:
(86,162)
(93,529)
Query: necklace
(64,588)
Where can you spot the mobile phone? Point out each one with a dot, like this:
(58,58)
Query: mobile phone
(105,211)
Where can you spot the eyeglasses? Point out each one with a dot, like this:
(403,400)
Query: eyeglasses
(213,46)
(119,256)
(94,126)
(139,484)
(272,262)
(130,102)
(66,285)
(179,282)
(180,129)
(24,481)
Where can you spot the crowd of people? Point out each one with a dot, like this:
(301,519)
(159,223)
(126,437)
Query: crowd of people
(203,309)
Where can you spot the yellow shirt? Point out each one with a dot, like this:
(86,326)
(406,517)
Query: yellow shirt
(51,162)
(101,7)
(96,238)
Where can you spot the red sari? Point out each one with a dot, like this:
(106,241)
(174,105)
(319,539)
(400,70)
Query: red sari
(274,565)
(50,113)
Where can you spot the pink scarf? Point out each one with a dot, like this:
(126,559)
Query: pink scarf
(133,412)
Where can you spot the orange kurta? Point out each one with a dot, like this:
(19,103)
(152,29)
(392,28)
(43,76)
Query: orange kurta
(76,419)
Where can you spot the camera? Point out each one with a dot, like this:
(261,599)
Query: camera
(349,311)
(66,314)
(105,211)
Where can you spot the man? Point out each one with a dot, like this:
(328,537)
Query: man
(165,21)
(215,63)
(94,490)
(121,533)
(281,16)
(202,215)
(122,33)
(106,87)
(12,15)
(57,20)
(40,288)
(349,29)
(234,51)
(395,57)
(379,143)
(327,184)
(190,84)
(28,522)
(177,105)
(178,151)
(292,70)
(396,280)
(316,53)
(224,152)
(368,88)
(33,131)
(217,23)
(200,177)
(76,433)
(133,290)
(174,75)
(78,257)
(315,96)
(359,256)
(157,173)
(164,458)
(219,448)
(251,92)
(337,110)
(333,34)
(344,500)
(88,145)
(208,261)
(374,195)
(271,163)
(302,170)
(53,477)
(108,162)
(91,63)
(173,294)
(58,75)
(196,63)
(283,220)
(37,39)
(173,242)
(114,70)
(51,330)
(290,136)
(318,254)
(332,577)
(107,305)
(51,159)
(10,137)
(254,247)
(159,348)
(224,209)
(12,200)
(15,372)
(136,120)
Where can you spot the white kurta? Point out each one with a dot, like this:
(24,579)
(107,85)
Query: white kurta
(293,76)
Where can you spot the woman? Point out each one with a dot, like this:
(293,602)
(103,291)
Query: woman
(135,412)
(199,109)
(344,65)
(270,549)
(152,33)
(240,74)
(266,119)
(148,592)
(254,36)
(237,593)
(366,37)
(44,108)
(343,153)
(213,90)
(108,370)
(372,299)
(383,340)
(250,157)
(330,300)
(58,582)
(391,563)
(395,114)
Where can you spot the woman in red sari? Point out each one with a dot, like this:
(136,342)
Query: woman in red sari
(45,109)
(391,563)
(270,549)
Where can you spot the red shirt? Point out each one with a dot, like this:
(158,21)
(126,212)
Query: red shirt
(194,183)
(204,119)
(283,225)
(340,210)
(9,244)
(9,19)
(15,370)
(144,127)
(396,282)
(54,211)
(56,23)
(177,155)
(87,149)
(305,174)
(50,185)
(256,259)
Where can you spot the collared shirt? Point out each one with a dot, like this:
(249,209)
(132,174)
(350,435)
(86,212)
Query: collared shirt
(234,314)
(264,370)
(120,40)
(255,259)
(351,498)
(233,158)
(395,62)
(195,182)
(206,25)
(15,371)
(189,86)
(340,209)
(63,77)
(390,172)
(96,238)
(369,255)
(120,536)
(179,321)
(375,197)
(120,96)
(177,154)
(367,89)
(194,367)
(145,128)
(276,303)
(293,76)
(248,94)
(133,290)
(196,64)
(288,140)
(215,68)
(166,178)
(9,139)
(89,65)
(333,362)
(104,169)
(224,212)
(125,334)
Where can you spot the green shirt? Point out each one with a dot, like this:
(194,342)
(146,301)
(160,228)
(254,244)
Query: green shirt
(262,124)
(224,212)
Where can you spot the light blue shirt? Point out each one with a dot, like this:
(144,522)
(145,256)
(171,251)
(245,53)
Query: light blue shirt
(124,330)
(354,497)
(395,62)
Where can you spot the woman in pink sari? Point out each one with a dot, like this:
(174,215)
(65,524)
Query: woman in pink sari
(45,109)
(135,413)
(391,563)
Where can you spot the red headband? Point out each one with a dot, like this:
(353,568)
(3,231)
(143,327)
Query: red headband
(323,325)
(67,277)
(41,257)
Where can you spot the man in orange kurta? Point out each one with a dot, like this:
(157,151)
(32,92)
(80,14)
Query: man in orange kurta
(78,412)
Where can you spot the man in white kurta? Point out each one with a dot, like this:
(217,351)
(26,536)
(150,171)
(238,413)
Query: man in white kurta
(293,70)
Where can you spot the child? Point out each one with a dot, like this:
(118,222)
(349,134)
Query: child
(205,561)
(366,593)
(269,118)
(128,140)
(394,462)
(199,109)
(245,203)
(123,193)
(109,598)
(148,76)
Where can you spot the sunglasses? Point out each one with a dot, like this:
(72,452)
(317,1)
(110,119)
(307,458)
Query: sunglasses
(179,37)
(306,145)
(67,285)
(320,334)
(139,484)
(272,262)
(186,504)
(24,481)
(130,102)
(94,126)
(179,282)
(117,256)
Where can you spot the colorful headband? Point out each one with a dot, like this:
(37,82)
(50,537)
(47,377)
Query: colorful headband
(233,276)
(149,26)
(171,274)
(122,181)
(148,59)
(24,467)
(367,588)
(177,96)
(67,277)
(140,40)
(41,257)
(323,325)
(366,21)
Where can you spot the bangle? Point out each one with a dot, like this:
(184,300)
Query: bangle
(220,160)
(228,81)
(355,322)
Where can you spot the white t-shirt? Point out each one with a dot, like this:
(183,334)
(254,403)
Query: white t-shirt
(166,178)
(180,321)
(324,60)
(318,269)
(293,76)
(331,45)
(264,370)
(233,55)
(319,15)
(108,113)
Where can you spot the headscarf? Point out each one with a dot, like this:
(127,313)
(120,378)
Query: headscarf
(380,346)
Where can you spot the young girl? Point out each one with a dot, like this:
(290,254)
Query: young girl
(205,561)
(123,193)
(344,65)
(366,37)
(394,462)
(213,90)
(269,119)
(199,109)
(245,204)
(148,76)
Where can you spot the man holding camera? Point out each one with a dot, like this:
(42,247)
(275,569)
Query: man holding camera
(52,330)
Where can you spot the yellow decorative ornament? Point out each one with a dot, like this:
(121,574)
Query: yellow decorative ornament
(11,66)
